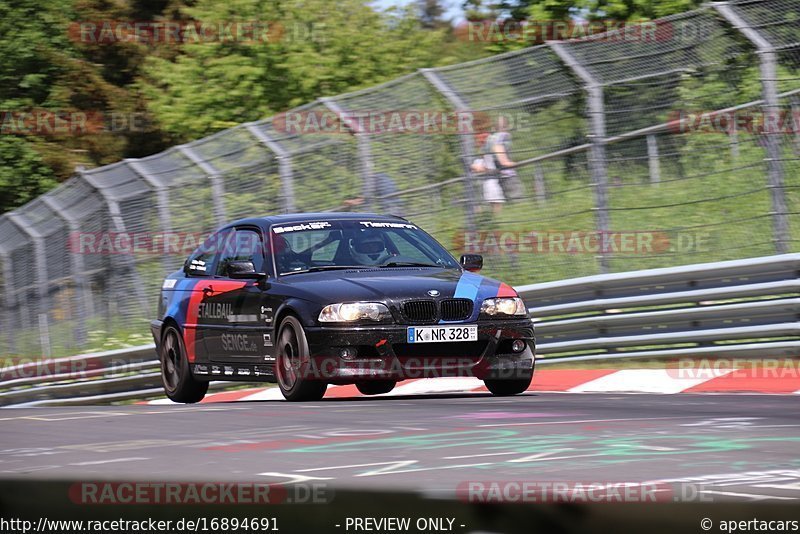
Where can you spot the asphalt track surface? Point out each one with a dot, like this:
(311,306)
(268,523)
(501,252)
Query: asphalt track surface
(714,447)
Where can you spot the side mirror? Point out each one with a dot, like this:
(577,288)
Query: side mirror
(243,270)
(472,262)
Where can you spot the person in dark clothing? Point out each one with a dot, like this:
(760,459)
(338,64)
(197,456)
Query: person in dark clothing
(386,198)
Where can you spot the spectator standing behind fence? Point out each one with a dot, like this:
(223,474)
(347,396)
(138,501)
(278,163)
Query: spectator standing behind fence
(492,192)
(497,149)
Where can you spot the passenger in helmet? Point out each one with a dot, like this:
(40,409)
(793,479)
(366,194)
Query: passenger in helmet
(285,258)
(368,248)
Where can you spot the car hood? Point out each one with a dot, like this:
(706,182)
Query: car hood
(393,285)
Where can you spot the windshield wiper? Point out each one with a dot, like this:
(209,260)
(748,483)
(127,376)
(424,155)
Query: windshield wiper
(323,268)
(410,264)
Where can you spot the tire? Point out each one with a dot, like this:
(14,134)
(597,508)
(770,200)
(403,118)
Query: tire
(506,387)
(179,384)
(292,353)
(375,387)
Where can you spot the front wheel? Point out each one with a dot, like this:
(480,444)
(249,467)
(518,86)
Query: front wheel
(179,384)
(375,387)
(292,359)
(504,388)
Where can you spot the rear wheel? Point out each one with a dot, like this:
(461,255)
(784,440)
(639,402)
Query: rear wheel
(292,358)
(506,387)
(179,384)
(375,387)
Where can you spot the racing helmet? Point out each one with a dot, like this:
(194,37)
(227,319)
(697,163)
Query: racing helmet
(284,256)
(368,248)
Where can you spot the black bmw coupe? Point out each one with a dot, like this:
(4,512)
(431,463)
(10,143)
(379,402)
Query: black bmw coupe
(312,299)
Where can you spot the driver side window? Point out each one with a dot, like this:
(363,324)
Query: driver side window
(243,244)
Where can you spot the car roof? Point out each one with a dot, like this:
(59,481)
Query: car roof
(289,218)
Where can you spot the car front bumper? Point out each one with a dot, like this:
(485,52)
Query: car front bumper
(382,352)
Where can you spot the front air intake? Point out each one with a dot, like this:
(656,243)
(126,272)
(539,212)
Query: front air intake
(420,311)
(455,309)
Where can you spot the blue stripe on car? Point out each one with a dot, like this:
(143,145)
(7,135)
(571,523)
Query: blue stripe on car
(468,285)
(475,288)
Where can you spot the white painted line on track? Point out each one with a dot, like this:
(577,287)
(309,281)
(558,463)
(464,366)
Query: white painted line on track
(269,394)
(539,423)
(507,453)
(643,381)
(116,460)
(397,463)
(441,385)
(755,497)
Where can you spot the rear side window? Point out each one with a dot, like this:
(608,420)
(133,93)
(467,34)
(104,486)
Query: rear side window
(203,261)
(243,244)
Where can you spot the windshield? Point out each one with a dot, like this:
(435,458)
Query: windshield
(341,244)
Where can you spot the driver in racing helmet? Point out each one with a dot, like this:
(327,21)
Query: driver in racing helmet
(367,247)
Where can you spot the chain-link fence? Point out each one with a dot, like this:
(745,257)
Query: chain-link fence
(657,144)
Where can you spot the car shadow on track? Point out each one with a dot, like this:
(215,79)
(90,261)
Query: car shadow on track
(390,398)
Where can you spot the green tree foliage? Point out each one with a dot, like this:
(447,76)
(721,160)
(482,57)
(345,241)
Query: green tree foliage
(23,173)
(47,69)
(314,48)
(628,10)
(502,17)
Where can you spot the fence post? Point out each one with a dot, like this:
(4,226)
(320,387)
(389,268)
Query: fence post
(539,183)
(284,165)
(364,150)
(367,169)
(734,135)
(466,141)
(597,136)
(119,226)
(9,300)
(162,205)
(77,265)
(42,282)
(794,104)
(771,109)
(215,177)
(652,159)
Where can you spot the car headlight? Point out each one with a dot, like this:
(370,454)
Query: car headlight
(347,312)
(504,306)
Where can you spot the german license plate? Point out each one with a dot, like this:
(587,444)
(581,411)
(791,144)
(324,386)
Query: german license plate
(441,334)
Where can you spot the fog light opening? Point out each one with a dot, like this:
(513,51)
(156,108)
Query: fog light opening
(518,345)
(348,353)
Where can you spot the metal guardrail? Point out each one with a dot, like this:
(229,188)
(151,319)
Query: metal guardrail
(741,308)
(738,307)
